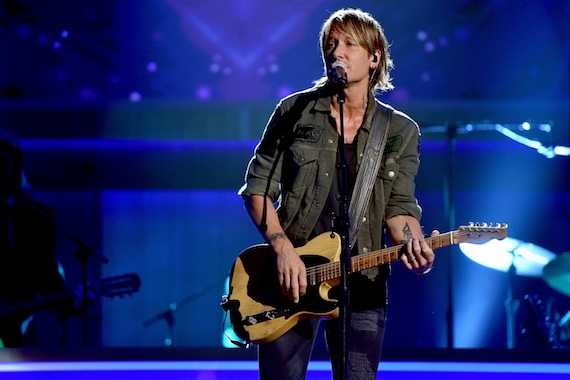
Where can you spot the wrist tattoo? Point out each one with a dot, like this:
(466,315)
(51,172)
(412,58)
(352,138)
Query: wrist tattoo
(407,232)
(277,235)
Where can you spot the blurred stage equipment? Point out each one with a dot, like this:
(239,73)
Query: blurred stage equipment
(515,257)
(543,326)
(526,258)
(548,151)
(168,314)
(557,273)
(513,131)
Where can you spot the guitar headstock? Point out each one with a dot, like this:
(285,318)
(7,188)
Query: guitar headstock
(479,233)
(118,285)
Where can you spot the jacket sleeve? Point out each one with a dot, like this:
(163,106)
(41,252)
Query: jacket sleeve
(263,174)
(402,200)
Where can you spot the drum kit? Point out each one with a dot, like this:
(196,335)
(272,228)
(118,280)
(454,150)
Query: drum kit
(544,325)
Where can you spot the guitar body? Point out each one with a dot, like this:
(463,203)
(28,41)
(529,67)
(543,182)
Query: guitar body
(259,312)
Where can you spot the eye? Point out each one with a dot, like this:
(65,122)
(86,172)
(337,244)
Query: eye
(330,45)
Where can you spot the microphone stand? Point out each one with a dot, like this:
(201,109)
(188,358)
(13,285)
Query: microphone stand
(82,254)
(168,315)
(345,257)
(449,186)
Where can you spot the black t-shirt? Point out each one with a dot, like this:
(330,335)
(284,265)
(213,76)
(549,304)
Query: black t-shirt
(330,216)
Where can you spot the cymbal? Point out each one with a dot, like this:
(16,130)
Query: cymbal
(557,273)
(527,259)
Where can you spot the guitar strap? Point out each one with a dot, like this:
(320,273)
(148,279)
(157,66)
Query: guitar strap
(369,166)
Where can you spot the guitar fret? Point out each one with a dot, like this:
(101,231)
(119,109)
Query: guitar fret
(332,270)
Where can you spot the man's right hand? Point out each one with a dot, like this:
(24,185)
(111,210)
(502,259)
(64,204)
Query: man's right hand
(290,268)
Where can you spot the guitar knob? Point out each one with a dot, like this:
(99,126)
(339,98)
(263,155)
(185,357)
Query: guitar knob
(269,315)
(250,320)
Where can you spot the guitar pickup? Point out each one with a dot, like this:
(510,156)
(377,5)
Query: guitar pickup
(264,316)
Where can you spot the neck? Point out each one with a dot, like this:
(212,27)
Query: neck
(356,97)
(352,102)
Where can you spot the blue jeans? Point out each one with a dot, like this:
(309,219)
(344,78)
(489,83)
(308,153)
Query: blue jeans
(287,357)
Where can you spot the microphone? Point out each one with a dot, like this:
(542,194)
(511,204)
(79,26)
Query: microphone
(338,74)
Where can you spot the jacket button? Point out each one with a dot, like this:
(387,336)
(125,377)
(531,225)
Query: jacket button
(391,174)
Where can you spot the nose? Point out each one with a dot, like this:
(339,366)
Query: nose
(337,52)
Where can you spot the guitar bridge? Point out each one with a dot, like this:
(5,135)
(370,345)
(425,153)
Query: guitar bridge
(264,316)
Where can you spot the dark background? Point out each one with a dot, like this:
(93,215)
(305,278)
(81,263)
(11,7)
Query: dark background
(138,118)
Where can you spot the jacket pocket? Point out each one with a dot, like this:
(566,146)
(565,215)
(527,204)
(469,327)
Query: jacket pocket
(387,174)
(300,167)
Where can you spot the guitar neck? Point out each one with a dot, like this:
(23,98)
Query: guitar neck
(331,271)
(473,233)
(26,308)
(107,287)
(391,254)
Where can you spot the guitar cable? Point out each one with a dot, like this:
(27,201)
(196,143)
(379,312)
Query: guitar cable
(236,342)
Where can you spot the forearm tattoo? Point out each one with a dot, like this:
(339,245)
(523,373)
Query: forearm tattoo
(407,232)
(277,235)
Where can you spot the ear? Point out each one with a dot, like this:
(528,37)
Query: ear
(375,58)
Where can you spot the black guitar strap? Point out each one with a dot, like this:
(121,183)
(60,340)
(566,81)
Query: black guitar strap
(369,166)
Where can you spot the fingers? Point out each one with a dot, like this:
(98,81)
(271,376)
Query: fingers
(294,286)
(413,257)
(293,281)
(418,256)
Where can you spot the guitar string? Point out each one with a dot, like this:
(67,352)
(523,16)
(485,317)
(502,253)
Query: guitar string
(331,270)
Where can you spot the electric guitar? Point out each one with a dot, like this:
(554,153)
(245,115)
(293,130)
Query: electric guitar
(106,287)
(260,313)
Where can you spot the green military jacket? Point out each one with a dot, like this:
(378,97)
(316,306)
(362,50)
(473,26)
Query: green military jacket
(294,165)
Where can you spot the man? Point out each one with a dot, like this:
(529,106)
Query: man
(296,164)
(28,266)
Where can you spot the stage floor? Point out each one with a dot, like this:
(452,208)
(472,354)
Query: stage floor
(177,364)
(230,370)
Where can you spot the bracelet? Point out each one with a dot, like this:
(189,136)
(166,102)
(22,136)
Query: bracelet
(425,271)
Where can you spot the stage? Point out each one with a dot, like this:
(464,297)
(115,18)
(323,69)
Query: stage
(210,364)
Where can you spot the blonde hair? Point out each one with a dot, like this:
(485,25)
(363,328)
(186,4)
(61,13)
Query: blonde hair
(369,34)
